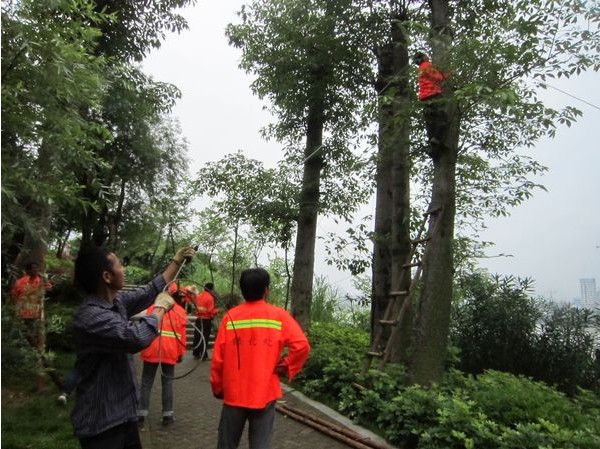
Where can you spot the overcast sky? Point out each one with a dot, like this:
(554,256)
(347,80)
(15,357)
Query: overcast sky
(553,238)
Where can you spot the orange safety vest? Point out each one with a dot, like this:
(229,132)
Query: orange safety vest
(205,305)
(430,80)
(170,346)
(248,346)
(28,296)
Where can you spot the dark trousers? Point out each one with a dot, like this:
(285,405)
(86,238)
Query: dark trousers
(123,436)
(203,327)
(260,430)
(148,374)
(435,119)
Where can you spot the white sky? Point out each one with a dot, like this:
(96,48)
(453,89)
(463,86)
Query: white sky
(553,238)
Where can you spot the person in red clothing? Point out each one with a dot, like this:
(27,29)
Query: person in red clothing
(247,362)
(183,295)
(165,351)
(28,296)
(430,91)
(205,312)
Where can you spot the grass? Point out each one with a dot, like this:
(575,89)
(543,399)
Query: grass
(35,420)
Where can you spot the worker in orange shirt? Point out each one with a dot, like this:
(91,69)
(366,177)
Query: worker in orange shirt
(430,82)
(28,297)
(205,312)
(164,352)
(184,295)
(247,362)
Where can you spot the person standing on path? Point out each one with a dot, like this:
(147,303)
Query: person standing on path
(28,294)
(247,363)
(162,354)
(205,312)
(105,411)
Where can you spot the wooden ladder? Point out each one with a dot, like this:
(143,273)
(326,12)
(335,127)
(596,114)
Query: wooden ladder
(381,346)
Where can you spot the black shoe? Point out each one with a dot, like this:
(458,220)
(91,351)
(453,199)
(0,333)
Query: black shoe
(166,420)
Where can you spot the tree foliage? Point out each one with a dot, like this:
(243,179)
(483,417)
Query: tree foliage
(497,324)
(88,124)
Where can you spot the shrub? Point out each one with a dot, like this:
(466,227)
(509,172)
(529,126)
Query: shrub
(494,410)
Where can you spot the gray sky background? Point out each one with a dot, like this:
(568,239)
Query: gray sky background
(553,237)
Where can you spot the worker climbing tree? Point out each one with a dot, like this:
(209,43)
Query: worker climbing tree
(431,93)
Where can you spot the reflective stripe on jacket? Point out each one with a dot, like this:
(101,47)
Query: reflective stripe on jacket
(170,345)
(248,346)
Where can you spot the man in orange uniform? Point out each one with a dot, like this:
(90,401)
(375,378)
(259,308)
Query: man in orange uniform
(165,351)
(430,90)
(28,296)
(246,362)
(205,312)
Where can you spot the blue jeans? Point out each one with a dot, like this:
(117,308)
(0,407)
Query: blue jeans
(148,375)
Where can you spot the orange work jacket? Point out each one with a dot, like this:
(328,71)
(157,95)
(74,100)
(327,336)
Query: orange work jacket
(205,305)
(28,296)
(430,80)
(248,346)
(170,345)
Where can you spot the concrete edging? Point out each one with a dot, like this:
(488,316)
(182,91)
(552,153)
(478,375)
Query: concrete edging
(339,418)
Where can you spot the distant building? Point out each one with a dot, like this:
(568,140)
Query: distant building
(589,295)
(577,303)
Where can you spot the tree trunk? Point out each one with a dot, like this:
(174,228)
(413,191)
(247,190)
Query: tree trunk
(114,220)
(433,317)
(35,241)
(392,213)
(382,251)
(401,244)
(304,259)
(235,242)
(34,247)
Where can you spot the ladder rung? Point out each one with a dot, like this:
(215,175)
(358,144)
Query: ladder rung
(423,240)
(399,293)
(390,322)
(409,265)
(375,354)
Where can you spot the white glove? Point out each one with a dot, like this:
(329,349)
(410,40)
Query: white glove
(165,301)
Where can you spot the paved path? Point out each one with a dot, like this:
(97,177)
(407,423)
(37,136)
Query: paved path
(197,417)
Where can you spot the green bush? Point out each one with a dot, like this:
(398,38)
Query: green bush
(335,358)
(494,410)
(497,325)
(136,275)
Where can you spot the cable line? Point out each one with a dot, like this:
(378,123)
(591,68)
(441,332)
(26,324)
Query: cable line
(568,94)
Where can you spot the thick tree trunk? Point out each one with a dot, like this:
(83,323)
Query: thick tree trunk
(304,259)
(382,249)
(433,318)
(392,214)
(401,244)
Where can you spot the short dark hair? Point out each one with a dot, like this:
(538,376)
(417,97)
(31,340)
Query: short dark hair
(253,283)
(29,265)
(209,286)
(419,57)
(89,265)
